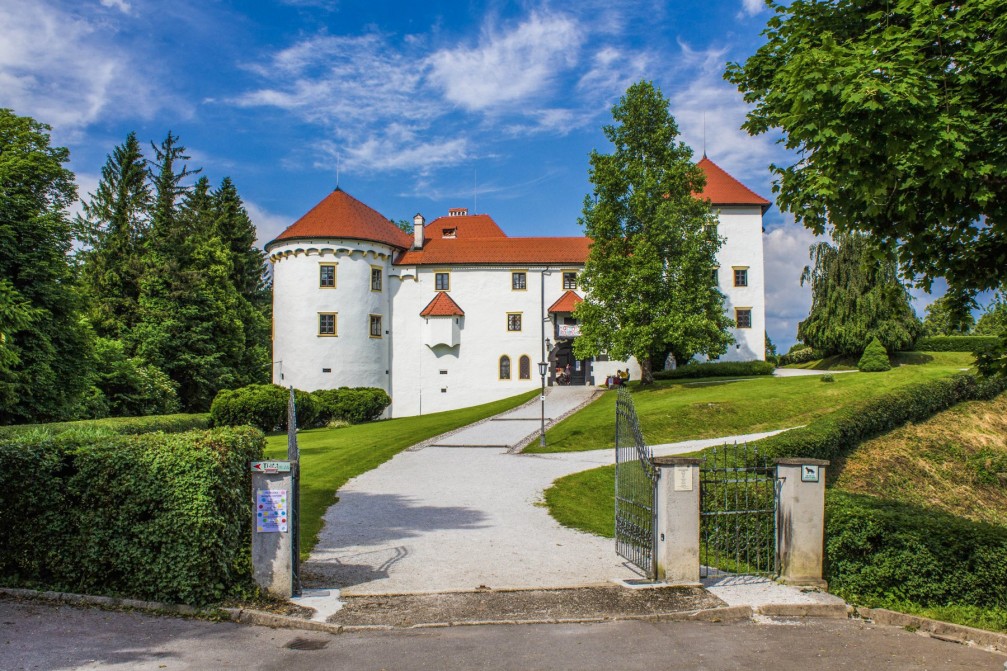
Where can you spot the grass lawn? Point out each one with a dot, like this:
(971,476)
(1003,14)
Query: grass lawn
(829,363)
(688,409)
(330,457)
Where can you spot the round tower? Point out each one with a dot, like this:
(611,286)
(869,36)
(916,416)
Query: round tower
(331,296)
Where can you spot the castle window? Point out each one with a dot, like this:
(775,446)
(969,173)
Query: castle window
(743,317)
(375,326)
(518,281)
(505,367)
(327,276)
(442,281)
(327,323)
(569,280)
(524,367)
(513,321)
(741,277)
(376,274)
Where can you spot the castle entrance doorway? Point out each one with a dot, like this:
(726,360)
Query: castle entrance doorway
(564,360)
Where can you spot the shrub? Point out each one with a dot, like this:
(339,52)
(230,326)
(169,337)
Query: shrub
(834,435)
(802,354)
(875,358)
(954,343)
(263,406)
(356,405)
(717,369)
(882,552)
(115,425)
(156,516)
(128,386)
(828,377)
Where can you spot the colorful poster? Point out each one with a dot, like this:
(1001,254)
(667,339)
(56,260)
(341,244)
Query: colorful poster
(271,510)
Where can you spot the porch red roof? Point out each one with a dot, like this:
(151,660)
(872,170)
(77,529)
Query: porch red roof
(442,306)
(567,302)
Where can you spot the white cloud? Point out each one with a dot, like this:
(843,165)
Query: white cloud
(61,68)
(507,67)
(268,224)
(787,302)
(121,5)
(752,7)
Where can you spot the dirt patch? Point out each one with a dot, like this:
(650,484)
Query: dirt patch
(507,606)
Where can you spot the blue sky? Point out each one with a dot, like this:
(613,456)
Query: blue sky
(419,106)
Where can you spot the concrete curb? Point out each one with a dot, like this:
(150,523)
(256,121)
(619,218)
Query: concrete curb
(518,448)
(106,601)
(447,434)
(945,631)
(838,611)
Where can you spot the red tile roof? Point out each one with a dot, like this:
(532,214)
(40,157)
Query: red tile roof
(340,215)
(496,251)
(723,189)
(567,302)
(442,306)
(465,226)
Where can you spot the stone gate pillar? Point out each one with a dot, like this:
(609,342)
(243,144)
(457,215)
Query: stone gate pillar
(800,521)
(677,508)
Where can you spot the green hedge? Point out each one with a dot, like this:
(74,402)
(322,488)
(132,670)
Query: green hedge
(263,406)
(356,405)
(882,552)
(717,369)
(954,343)
(156,516)
(119,425)
(834,435)
(800,355)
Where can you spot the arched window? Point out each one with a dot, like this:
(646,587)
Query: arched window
(524,367)
(505,367)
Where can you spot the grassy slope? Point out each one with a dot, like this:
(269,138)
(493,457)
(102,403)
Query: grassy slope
(685,410)
(330,457)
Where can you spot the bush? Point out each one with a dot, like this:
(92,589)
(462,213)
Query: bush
(954,343)
(157,516)
(834,435)
(802,354)
(828,377)
(875,359)
(882,552)
(115,425)
(717,369)
(356,405)
(263,406)
(127,386)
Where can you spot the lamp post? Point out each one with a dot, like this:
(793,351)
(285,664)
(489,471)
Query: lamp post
(543,366)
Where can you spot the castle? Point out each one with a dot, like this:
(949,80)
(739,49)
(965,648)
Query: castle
(459,313)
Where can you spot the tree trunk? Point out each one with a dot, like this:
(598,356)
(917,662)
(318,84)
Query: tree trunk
(646,371)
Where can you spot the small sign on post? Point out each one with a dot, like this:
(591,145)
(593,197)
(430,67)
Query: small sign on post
(270,466)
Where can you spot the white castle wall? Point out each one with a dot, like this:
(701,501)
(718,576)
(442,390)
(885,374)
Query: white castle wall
(742,226)
(354,358)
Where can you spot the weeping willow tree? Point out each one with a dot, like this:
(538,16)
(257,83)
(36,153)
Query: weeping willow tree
(856,296)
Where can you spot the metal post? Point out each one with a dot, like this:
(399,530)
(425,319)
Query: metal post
(543,366)
(293,456)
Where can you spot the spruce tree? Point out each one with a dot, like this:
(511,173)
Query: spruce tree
(236,230)
(114,224)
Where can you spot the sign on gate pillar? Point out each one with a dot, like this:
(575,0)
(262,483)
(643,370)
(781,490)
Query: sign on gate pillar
(273,527)
(800,521)
(677,525)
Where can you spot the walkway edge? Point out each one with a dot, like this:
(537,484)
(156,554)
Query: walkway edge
(945,631)
(519,448)
(447,434)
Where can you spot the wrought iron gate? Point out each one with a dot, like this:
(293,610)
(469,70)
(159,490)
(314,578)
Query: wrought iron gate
(635,490)
(738,503)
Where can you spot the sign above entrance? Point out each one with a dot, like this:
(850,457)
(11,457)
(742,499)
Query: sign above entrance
(270,466)
(569,330)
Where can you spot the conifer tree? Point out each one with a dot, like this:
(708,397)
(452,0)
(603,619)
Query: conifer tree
(647,276)
(114,223)
(236,230)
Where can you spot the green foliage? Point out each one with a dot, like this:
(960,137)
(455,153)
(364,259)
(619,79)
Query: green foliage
(894,113)
(875,359)
(263,406)
(45,349)
(828,377)
(802,354)
(993,320)
(157,516)
(717,369)
(126,386)
(356,406)
(834,435)
(117,425)
(771,353)
(856,296)
(950,315)
(879,552)
(647,276)
(953,343)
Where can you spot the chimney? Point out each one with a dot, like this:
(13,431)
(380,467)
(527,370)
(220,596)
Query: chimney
(458,211)
(418,222)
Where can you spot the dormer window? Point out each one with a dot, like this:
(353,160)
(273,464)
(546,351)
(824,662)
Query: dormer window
(449,233)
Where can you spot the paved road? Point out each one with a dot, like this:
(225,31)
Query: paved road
(39,636)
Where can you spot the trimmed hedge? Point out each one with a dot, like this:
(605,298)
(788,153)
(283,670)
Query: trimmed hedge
(117,425)
(875,359)
(717,369)
(263,406)
(801,355)
(356,405)
(156,516)
(954,343)
(883,552)
(834,435)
